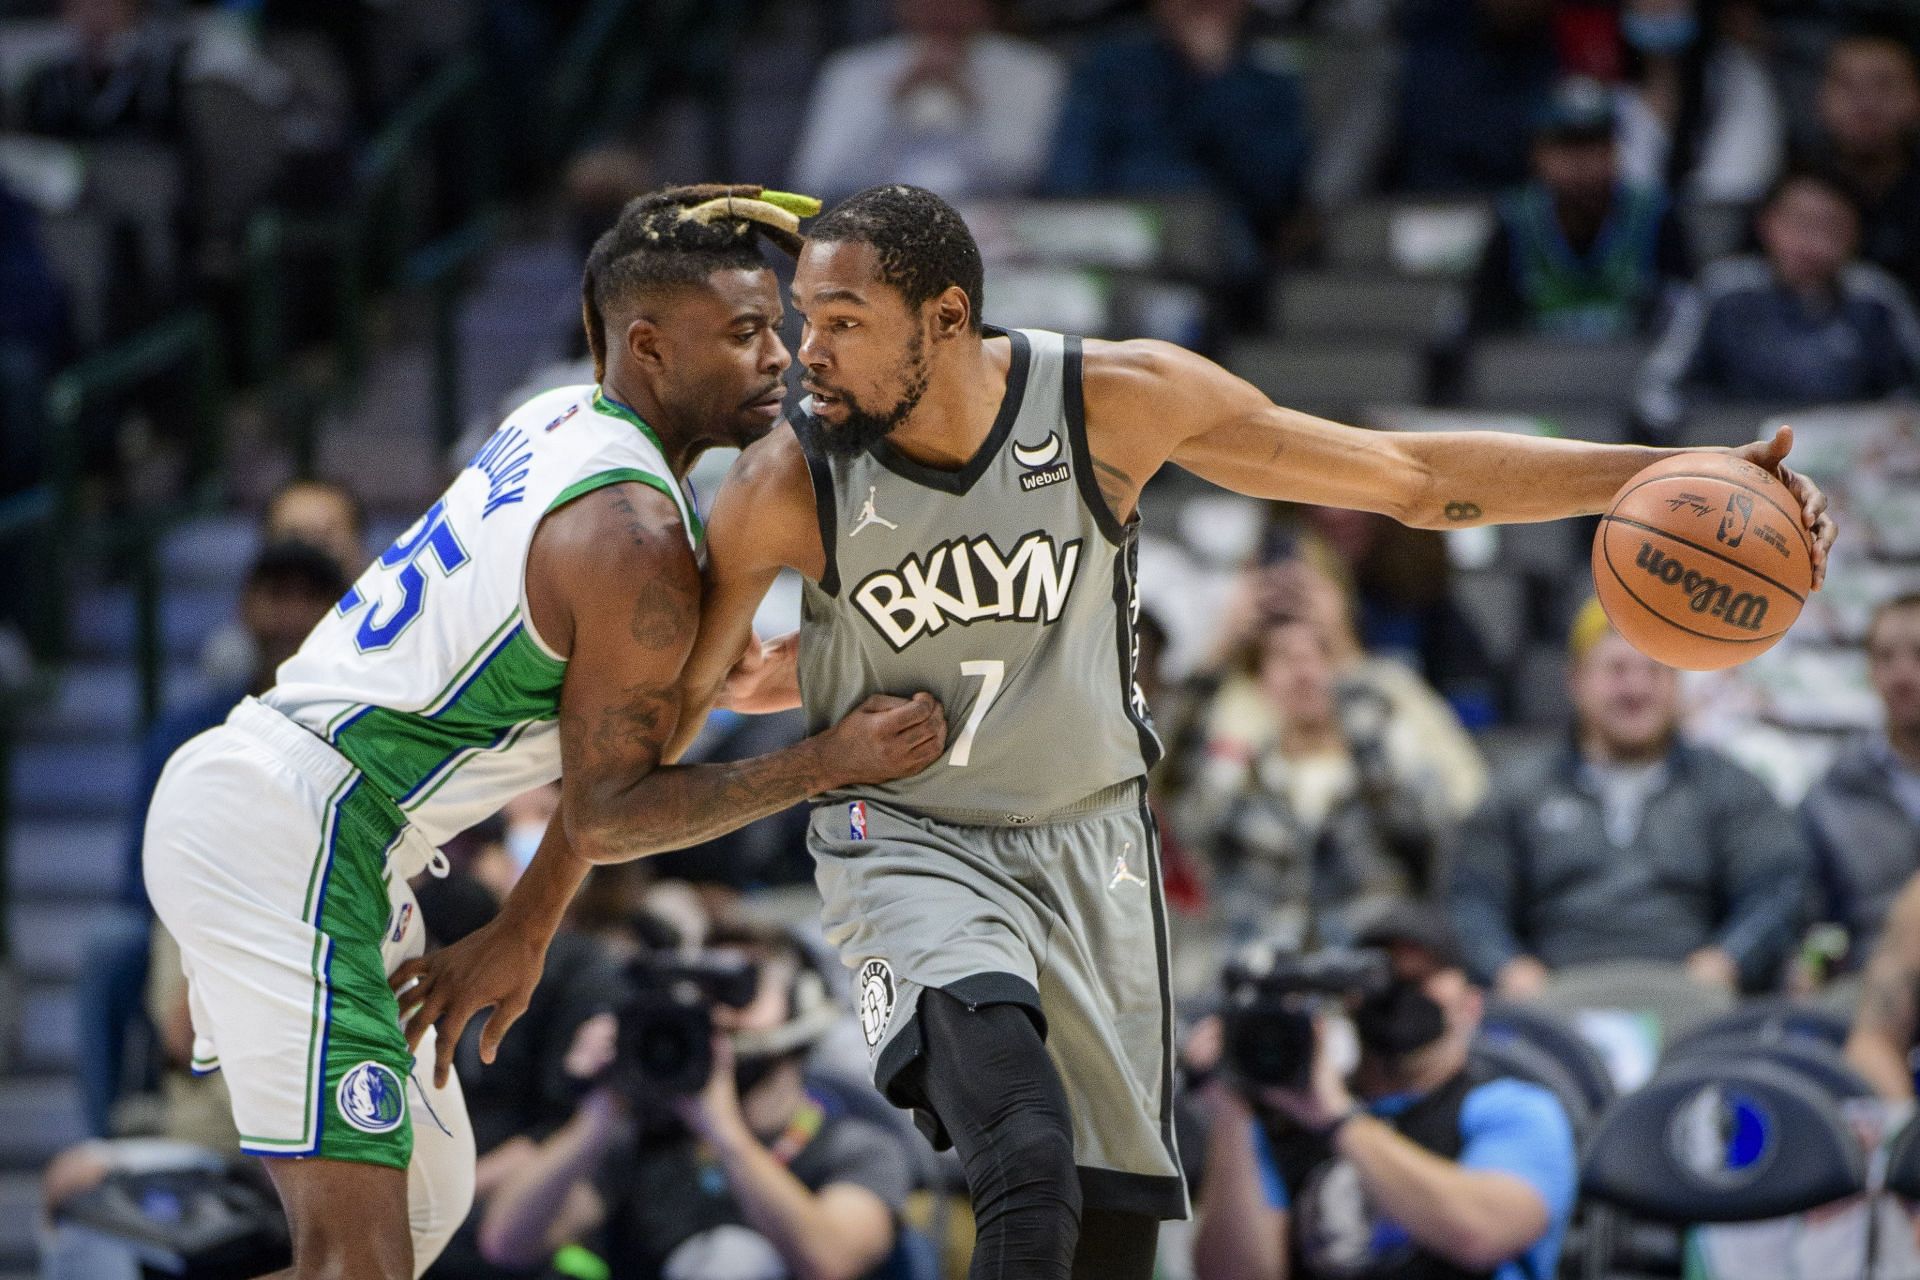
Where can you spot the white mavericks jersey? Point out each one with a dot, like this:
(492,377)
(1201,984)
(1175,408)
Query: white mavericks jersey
(428,675)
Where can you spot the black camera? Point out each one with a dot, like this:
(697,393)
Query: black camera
(1271,998)
(665,1044)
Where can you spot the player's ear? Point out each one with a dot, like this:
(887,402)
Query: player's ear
(952,312)
(644,342)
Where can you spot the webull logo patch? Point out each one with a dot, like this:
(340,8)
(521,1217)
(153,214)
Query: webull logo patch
(1706,596)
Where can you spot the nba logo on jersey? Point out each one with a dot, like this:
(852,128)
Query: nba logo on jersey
(401,921)
(857,819)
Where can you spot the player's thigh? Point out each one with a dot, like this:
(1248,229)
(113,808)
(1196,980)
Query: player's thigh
(347,1218)
(275,890)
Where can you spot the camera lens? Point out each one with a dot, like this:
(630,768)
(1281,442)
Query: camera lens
(665,1049)
(1271,1046)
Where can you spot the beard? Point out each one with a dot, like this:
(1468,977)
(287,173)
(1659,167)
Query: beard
(866,427)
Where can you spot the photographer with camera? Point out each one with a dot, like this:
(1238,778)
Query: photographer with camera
(1417,1165)
(699,1151)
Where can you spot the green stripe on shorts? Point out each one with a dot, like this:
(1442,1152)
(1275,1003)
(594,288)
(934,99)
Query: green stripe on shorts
(357,1058)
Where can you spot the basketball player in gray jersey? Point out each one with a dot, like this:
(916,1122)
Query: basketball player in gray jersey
(962,501)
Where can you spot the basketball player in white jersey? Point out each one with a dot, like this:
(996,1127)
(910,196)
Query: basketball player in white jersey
(531,625)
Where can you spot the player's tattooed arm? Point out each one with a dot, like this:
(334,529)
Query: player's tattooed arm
(1888,1018)
(1149,403)
(612,581)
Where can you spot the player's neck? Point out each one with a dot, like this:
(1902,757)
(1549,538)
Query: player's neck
(956,413)
(679,445)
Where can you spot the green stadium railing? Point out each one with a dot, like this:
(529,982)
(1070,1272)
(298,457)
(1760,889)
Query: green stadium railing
(26,523)
(188,341)
(619,57)
(379,241)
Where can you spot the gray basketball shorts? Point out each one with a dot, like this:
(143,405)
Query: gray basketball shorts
(1063,918)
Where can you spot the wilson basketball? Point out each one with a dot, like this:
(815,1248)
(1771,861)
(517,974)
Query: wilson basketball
(1702,561)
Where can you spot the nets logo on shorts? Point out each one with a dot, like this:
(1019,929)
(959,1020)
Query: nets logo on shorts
(857,819)
(875,1002)
(372,1098)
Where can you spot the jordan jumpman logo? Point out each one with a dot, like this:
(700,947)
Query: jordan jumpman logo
(869,516)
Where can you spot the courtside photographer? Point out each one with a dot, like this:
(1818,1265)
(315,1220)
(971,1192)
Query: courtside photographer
(699,1150)
(1414,1164)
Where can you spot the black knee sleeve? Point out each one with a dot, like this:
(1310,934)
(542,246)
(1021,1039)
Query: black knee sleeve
(1115,1245)
(986,1074)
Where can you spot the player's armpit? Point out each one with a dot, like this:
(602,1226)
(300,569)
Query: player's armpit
(766,679)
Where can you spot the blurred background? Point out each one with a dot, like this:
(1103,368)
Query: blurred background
(270,271)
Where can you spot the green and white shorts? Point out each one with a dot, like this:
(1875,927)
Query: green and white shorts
(282,873)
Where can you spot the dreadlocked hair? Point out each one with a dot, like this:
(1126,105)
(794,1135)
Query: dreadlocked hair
(678,236)
(921,242)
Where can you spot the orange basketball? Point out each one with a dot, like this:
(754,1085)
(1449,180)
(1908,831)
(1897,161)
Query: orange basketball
(1702,561)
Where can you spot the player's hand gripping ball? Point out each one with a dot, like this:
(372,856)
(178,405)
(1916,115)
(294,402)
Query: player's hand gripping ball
(1704,559)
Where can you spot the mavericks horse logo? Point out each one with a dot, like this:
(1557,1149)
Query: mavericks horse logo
(372,1098)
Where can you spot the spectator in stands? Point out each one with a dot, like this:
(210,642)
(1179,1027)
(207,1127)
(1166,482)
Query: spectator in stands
(1869,108)
(757,1178)
(1628,843)
(1863,818)
(1700,116)
(288,590)
(948,104)
(319,513)
(1576,253)
(1321,812)
(1476,76)
(1188,103)
(1418,1164)
(1303,576)
(120,79)
(1805,324)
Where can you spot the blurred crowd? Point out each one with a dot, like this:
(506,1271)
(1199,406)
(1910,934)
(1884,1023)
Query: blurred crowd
(1727,189)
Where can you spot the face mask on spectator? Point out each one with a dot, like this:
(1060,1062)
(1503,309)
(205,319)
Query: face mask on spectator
(1660,33)
(1399,1020)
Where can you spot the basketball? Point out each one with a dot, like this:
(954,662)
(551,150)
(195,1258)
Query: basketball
(1702,561)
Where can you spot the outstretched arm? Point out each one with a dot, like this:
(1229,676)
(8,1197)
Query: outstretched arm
(1149,403)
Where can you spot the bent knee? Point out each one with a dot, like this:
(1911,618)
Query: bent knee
(1039,1150)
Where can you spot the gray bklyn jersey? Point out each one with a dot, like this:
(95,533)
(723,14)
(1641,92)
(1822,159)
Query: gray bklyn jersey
(1006,589)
